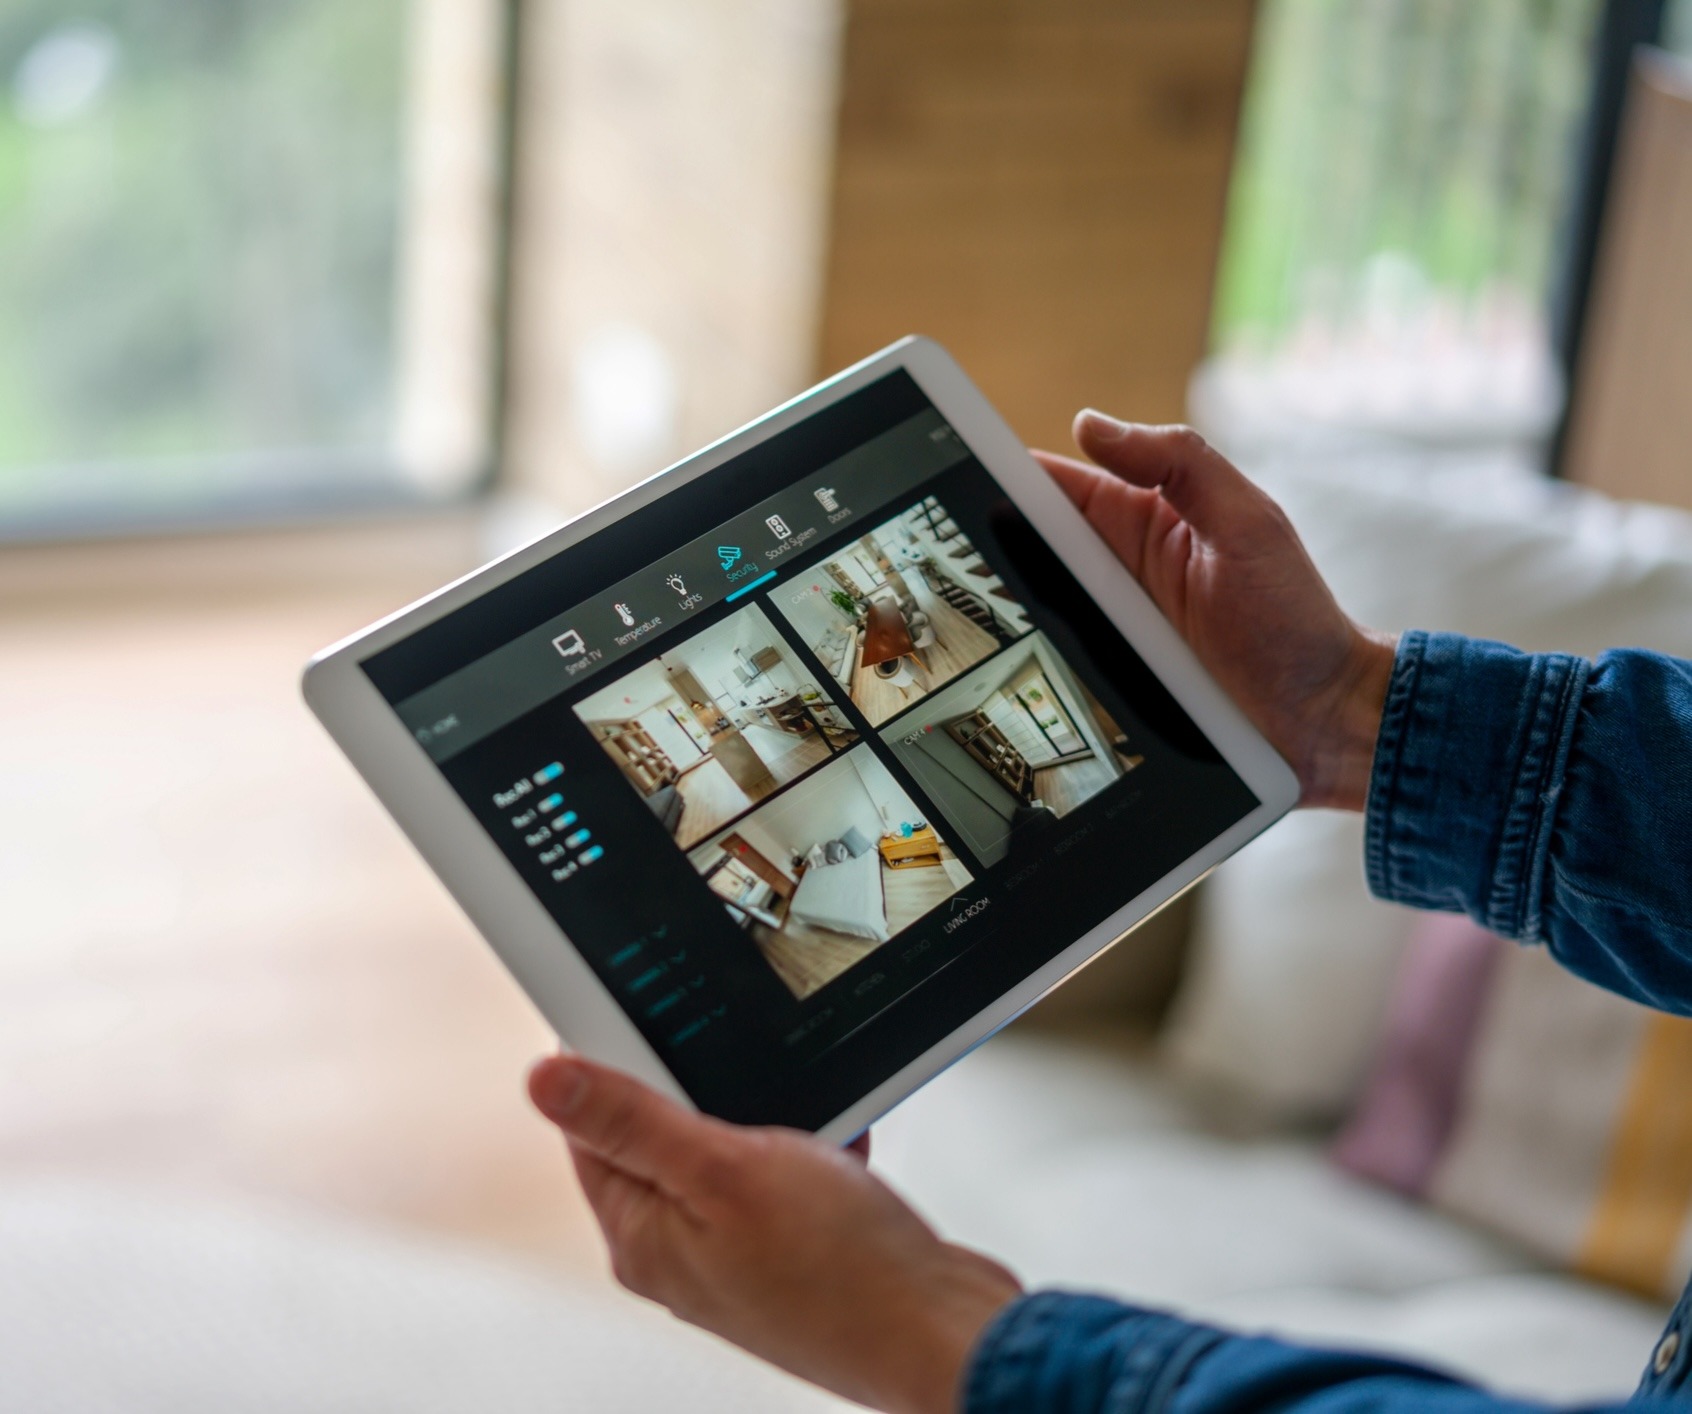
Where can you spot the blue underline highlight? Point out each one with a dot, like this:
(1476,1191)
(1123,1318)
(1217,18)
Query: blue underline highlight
(748,588)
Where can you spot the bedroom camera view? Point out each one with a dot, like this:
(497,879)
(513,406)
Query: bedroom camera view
(827,872)
(903,610)
(1013,746)
(710,728)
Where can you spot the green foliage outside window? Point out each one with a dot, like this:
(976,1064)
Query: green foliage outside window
(1417,144)
(198,212)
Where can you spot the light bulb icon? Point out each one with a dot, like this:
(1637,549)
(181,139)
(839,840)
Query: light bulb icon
(675,583)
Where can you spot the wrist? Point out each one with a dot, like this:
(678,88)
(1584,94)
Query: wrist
(956,1307)
(1340,770)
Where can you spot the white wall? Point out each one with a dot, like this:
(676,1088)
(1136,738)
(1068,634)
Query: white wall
(628,697)
(891,803)
(710,657)
(812,614)
(1007,714)
(754,833)
(675,743)
(1058,675)
(827,805)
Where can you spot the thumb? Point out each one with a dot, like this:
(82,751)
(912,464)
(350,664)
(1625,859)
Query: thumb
(1201,485)
(629,1126)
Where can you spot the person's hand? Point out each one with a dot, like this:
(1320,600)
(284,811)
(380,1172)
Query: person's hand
(774,1240)
(1225,565)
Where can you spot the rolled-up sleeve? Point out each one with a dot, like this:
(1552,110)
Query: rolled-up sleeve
(1058,1352)
(1547,797)
(1054,1353)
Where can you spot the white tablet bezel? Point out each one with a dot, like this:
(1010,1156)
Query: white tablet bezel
(512,918)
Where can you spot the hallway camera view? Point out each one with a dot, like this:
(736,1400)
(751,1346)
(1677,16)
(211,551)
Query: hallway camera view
(903,610)
(1012,747)
(827,872)
(710,728)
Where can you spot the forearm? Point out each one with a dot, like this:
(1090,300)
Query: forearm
(1548,798)
(1057,1354)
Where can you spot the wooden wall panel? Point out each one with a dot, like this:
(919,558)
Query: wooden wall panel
(1631,421)
(1040,185)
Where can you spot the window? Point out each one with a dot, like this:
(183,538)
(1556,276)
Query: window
(248,255)
(1393,227)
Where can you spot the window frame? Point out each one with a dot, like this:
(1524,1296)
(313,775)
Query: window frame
(304,488)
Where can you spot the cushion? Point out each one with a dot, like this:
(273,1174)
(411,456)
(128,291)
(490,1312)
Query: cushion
(1104,1176)
(835,852)
(1511,1093)
(1293,961)
(856,841)
(816,858)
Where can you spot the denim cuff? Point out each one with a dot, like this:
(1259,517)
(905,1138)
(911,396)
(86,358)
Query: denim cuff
(1467,777)
(1060,1352)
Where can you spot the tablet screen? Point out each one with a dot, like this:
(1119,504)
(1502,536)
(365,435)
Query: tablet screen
(814,758)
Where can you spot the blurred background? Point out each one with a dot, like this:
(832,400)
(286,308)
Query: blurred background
(307,306)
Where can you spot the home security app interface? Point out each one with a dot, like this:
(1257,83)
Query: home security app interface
(810,789)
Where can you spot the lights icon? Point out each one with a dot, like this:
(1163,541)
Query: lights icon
(778,527)
(826,498)
(728,556)
(624,614)
(675,582)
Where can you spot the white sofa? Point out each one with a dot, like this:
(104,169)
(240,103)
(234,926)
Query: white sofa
(1089,1167)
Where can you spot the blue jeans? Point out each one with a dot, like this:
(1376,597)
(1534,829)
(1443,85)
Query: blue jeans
(1548,798)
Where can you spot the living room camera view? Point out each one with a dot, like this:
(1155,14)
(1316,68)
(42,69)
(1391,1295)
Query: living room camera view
(1012,747)
(710,728)
(904,609)
(828,871)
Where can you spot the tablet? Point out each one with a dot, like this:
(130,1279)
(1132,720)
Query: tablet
(793,773)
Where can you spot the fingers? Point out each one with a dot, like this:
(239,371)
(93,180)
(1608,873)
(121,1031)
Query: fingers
(1201,485)
(1124,515)
(618,1199)
(1077,480)
(630,1127)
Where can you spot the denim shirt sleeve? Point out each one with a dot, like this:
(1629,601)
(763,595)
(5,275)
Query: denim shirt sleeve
(1054,1353)
(1551,800)
(1547,797)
